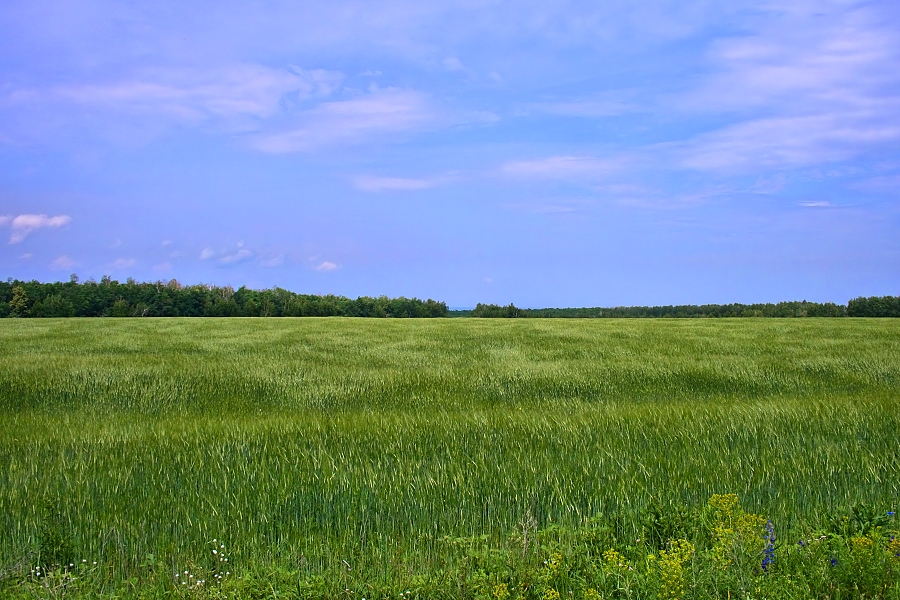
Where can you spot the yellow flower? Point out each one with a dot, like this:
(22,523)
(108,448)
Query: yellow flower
(550,594)
(501,591)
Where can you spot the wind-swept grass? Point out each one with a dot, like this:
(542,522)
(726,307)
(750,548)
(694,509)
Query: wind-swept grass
(308,442)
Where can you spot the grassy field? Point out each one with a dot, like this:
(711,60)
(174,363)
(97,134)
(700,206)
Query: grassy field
(348,452)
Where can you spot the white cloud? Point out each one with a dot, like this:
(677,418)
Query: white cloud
(192,96)
(207,253)
(275,261)
(542,207)
(326,266)
(26,256)
(163,266)
(816,204)
(879,183)
(240,255)
(23,225)
(62,263)
(380,184)
(451,63)
(379,113)
(562,167)
(786,142)
(599,105)
(813,84)
(123,263)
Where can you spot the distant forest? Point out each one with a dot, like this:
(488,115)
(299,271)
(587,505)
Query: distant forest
(876,306)
(110,298)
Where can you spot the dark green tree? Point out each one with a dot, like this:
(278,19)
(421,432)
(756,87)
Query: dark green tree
(53,306)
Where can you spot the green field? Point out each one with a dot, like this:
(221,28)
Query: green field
(333,454)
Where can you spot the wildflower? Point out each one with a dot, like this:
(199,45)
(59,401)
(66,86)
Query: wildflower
(769,550)
(890,513)
(833,561)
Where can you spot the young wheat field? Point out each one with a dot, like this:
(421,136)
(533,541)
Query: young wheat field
(341,453)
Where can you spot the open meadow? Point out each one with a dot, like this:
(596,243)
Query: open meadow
(340,457)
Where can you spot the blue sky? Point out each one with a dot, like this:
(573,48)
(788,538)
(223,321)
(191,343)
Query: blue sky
(542,153)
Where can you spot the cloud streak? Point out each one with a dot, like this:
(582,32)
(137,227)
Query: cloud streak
(798,95)
(326,266)
(239,90)
(380,113)
(23,225)
(367,183)
(563,167)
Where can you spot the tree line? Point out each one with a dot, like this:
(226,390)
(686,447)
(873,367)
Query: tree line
(875,306)
(110,298)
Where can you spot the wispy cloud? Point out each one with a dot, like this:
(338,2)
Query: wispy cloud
(562,167)
(786,142)
(452,63)
(798,94)
(380,112)
(238,90)
(236,257)
(326,265)
(23,225)
(272,262)
(607,104)
(368,183)
(62,263)
(123,263)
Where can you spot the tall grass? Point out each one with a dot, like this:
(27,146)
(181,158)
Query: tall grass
(305,442)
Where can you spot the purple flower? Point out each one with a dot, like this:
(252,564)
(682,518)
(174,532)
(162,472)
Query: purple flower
(769,556)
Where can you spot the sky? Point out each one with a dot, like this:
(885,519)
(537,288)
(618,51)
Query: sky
(552,153)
